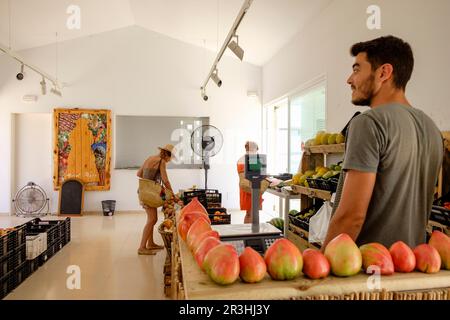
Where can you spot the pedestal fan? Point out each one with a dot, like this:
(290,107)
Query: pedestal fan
(31,201)
(206,142)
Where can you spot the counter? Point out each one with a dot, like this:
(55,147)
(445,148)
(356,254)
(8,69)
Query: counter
(410,286)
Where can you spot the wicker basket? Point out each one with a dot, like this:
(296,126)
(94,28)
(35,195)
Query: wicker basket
(150,193)
(167,237)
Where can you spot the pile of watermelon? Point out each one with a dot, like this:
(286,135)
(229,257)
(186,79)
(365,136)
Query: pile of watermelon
(278,223)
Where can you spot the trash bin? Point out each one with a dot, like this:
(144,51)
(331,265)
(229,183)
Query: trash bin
(108,207)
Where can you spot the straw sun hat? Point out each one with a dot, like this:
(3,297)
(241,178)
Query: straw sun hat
(170,148)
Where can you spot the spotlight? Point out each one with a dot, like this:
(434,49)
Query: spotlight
(56,92)
(43,87)
(20,75)
(237,50)
(204,96)
(215,78)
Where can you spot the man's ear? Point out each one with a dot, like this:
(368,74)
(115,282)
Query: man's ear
(386,72)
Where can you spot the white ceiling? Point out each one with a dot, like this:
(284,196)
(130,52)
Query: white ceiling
(267,27)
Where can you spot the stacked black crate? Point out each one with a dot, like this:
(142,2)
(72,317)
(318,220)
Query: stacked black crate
(12,259)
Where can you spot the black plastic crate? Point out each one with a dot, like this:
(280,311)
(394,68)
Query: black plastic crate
(211,211)
(323,184)
(13,260)
(304,223)
(220,219)
(52,231)
(201,198)
(32,265)
(20,274)
(68,231)
(44,256)
(299,223)
(60,227)
(6,284)
(12,240)
(440,215)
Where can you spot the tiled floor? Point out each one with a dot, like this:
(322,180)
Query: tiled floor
(105,249)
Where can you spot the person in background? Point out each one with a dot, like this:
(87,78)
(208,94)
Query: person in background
(154,168)
(393,152)
(245,197)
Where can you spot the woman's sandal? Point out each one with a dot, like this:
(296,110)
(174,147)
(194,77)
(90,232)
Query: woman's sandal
(146,252)
(155,247)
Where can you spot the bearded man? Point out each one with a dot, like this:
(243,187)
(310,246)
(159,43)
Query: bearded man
(393,152)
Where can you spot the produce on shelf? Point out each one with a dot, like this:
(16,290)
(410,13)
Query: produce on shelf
(375,254)
(441,242)
(303,215)
(427,258)
(187,220)
(222,264)
(168,225)
(193,205)
(197,228)
(315,264)
(5,231)
(403,257)
(207,244)
(325,138)
(169,208)
(344,256)
(283,260)
(333,171)
(201,237)
(252,266)
(278,223)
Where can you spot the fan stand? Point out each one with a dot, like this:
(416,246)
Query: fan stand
(206,167)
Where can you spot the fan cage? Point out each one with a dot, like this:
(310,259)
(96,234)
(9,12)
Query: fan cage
(206,130)
(31,194)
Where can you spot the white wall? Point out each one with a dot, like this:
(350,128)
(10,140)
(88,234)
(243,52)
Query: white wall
(132,72)
(323,48)
(32,134)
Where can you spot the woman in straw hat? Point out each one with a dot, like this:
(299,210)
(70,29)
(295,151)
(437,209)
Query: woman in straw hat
(154,168)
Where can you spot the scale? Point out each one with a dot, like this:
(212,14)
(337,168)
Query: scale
(258,236)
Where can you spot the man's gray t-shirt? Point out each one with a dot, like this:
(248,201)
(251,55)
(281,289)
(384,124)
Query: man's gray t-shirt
(403,146)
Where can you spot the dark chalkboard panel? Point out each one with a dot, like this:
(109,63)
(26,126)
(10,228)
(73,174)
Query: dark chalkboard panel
(71,197)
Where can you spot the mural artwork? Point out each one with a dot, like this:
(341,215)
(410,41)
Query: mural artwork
(82,147)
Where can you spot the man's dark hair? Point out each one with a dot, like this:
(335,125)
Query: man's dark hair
(390,50)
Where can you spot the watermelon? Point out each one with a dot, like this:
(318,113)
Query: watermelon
(278,223)
(293,212)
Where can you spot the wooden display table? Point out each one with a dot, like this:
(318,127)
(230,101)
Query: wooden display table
(410,286)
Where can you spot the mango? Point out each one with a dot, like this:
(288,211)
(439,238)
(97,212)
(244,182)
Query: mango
(441,242)
(283,260)
(344,256)
(428,259)
(375,254)
(252,266)
(403,257)
(315,264)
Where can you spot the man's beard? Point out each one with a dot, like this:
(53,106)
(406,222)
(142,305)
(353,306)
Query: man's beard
(367,89)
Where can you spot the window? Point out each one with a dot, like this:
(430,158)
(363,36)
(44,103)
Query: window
(288,123)
(307,116)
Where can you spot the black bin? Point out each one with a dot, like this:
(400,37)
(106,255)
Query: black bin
(108,206)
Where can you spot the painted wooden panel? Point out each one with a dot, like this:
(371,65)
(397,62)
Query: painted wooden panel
(82,140)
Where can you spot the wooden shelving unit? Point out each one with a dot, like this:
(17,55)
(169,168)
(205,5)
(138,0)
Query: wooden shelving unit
(326,149)
(313,157)
(312,193)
